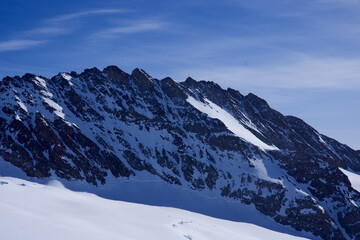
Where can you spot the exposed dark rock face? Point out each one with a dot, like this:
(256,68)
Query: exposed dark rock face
(89,125)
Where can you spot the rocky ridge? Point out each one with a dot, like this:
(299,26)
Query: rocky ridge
(192,134)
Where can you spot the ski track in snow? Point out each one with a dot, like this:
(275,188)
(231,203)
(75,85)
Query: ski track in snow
(35,211)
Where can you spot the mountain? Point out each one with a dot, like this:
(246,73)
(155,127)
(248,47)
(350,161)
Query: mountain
(110,127)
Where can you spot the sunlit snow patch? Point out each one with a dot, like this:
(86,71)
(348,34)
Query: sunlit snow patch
(261,171)
(67,77)
(40,81)
(17,117)
(58,109)
(21,104)
(353,178)
(214,111)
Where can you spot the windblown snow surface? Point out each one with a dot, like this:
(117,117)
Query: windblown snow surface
(31,210)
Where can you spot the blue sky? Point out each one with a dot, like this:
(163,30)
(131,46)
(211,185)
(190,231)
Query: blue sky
(303,57)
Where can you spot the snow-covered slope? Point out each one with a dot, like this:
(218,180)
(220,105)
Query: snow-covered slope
(353,178)
(34,211)
(214,111)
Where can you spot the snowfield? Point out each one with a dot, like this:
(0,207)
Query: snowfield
(353,178)
(214,111)
(35,211)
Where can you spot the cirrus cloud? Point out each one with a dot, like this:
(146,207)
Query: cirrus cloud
(12,45)
(82,14)
(304,72)
(132,28)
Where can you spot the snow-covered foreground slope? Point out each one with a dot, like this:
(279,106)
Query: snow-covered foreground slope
(34,211)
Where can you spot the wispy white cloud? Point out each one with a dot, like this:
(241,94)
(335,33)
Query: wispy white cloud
(305,72)
(19,44)
(133,28)
(82,14)
(47,31)
(52,27)
(58,25)
(336,3)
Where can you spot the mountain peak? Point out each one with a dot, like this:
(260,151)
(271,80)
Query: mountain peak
(140,73)
(257,101)
(172,88)
(93,70)
(27,76)
(190,81)
(143,80)
(116,73)
(235,93)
